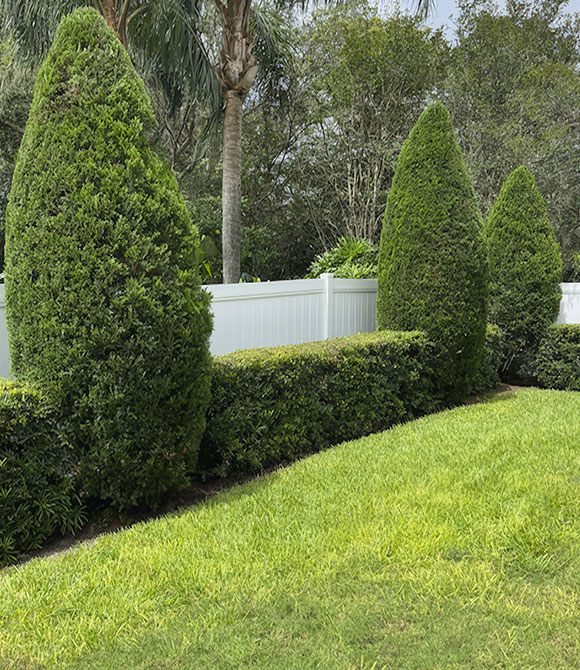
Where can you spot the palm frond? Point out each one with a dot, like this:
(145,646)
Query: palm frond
(423,8)
(274,44)
(33,22)
(168,35)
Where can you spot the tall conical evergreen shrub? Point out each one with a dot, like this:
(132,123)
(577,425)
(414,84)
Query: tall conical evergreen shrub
(104,306)
(432,269)
(525,268)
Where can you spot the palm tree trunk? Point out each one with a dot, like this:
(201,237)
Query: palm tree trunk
(109,12)
(236,72)
(231,188)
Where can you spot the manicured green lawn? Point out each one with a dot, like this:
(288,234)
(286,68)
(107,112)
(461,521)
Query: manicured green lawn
(449,542)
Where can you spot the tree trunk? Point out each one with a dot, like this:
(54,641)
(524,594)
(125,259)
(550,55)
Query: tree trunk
(236,72)
(231,188)
(109,12)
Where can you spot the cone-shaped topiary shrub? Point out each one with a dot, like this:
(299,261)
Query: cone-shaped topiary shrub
(104,306)
(525,268)
(432,268)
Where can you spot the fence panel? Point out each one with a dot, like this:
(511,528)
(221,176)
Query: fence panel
(354,306)
(570,304)
(290,312)
(266,314)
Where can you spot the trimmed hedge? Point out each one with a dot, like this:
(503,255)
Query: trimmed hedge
(104,306)
(432,273)
(37,473)
(556,364)
(271,406)
(274,405)
(525,268)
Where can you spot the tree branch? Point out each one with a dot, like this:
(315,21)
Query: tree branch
(122,23)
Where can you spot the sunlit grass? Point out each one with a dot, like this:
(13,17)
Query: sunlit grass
(449,542)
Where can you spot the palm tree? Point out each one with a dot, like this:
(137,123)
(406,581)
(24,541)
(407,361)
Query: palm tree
(236,72)
(170,34)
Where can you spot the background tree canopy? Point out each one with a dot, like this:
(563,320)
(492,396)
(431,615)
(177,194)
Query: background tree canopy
(513,90)
(323,127)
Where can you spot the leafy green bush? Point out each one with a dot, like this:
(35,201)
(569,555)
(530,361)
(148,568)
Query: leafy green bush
(571,268)
(556,364)
(104,305)
(525,268)
(271,406)
(432,269)
(37,474)
(351,258)
(274,405)
(487,376)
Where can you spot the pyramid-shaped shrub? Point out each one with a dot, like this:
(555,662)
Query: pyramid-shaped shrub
(432,268)
(525,268)
(104,306)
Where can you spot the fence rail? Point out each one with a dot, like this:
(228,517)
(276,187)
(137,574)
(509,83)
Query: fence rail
(270,314)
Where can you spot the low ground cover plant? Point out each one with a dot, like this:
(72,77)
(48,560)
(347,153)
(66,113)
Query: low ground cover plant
(450,541)
(37,484)
(432,261)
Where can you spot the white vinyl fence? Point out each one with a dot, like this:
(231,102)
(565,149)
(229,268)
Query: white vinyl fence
(268,314)
(289,312)
(570,304)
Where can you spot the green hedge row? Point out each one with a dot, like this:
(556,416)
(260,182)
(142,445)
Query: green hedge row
(270,406)
(37,483)
(556,365)
(274,405)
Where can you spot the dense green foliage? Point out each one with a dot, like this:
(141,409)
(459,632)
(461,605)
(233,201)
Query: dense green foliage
(104,306)
(432,270)
(525,268)
(556,364)
(513,91)
(360,78)
(368,75)
(448,542)
(273,405)
(37,494)
(488,374)
(270,406)
(350,258)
